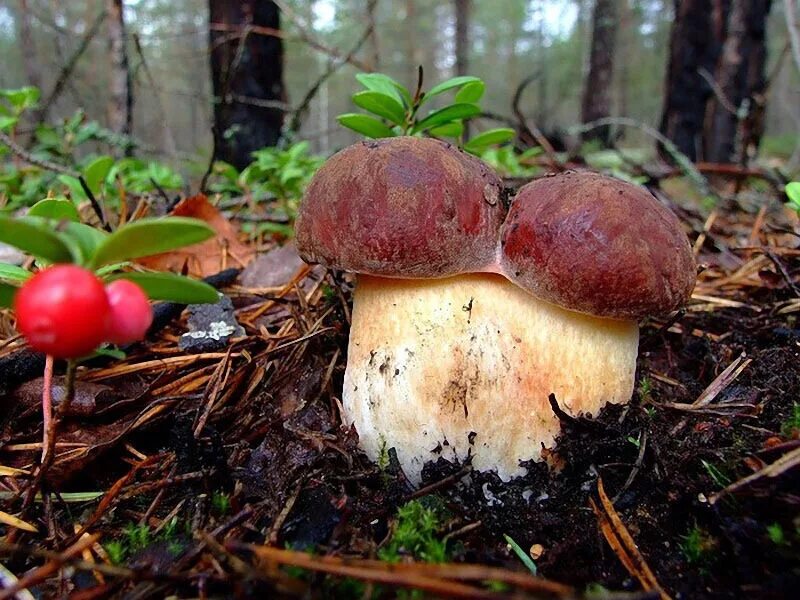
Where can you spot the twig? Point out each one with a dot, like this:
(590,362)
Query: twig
(98,210)
(782,270)
(780,466)
(333,66)
(47,408)
(723,380)
(441,484)
(31,159)
(622,543)
(636,467)
(531,129)
(718,91)
(172,149)
(261,102)
(679,157)
(439,579)
(272,32)
(45,571)
(69,67)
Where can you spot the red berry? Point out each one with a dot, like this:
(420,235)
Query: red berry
(63,311)
(131,314)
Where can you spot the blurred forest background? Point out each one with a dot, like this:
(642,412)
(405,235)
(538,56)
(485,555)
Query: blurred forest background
(68,50)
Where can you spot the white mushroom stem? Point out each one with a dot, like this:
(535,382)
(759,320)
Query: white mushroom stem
(465,365)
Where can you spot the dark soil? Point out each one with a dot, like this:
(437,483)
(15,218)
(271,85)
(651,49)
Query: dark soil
(247,447)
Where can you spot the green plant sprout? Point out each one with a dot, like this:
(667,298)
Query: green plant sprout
(396,111)
(521,554)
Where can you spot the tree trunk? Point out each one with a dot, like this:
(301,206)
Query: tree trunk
(597,92)
(695,43)
(734,119)
(462,14)
(245,69)
(120,105)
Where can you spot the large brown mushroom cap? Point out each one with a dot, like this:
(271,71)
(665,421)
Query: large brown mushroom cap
(597,245)
(402,207)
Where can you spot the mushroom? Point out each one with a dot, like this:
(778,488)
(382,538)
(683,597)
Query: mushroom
(467,316)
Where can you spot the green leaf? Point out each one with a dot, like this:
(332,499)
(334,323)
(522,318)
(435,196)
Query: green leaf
(297,150)
(13,273)
(449,85)
(382,105)
(8,122)
(83,239)
(7,293)
(97,171)
(34,237)
(521,554)
(453,129)
(58,209)
(793,192)
(489,138)
(150,236)
(365,125)
(446,115)
(106,270)
(75,188)
(22,98)
(471,92)
(378,82)
(172,288)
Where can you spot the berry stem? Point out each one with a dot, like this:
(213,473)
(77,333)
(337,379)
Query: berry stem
(47,407)
(50,422)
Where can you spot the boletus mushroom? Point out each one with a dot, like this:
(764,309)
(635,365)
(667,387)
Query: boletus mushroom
(467,314)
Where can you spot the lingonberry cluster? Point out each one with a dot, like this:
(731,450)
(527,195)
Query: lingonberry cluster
(66,311)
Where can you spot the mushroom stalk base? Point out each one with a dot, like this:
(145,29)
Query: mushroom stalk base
(464,366)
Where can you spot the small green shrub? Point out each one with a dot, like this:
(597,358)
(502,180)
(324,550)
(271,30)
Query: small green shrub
(416,533)
(394,111)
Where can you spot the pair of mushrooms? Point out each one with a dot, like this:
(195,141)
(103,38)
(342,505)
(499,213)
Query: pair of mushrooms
(468,313)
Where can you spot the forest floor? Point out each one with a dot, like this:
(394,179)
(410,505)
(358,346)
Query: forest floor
(210,474)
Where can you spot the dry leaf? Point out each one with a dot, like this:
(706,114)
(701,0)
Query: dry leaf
(223,251)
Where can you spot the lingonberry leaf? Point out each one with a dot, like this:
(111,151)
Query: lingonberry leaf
(378,82)
(13,273)
(471,92)
(453,129)
(489,138)
(171,287)
(7,293)
(365,125)
(446,115)
(35,237)
(450,84)
(97,171)
(150,236)
(58,209)
(382,105)
(82,239)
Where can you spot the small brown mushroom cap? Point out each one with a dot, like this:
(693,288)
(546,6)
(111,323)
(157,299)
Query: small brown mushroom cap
(402,207)
(597,245)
